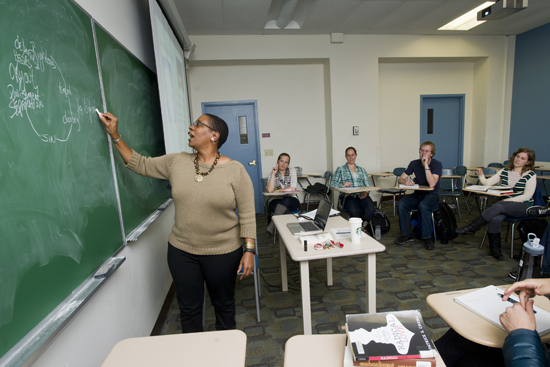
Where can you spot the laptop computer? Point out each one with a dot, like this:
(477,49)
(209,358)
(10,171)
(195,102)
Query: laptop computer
(317,225)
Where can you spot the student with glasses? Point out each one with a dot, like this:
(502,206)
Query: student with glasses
(206,243)
(427,172)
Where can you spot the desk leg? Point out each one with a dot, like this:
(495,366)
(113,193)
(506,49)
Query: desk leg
(284,280)
(370,271)
(329,271)
(306,297)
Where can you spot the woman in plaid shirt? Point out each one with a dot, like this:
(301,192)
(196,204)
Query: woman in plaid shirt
(357,205)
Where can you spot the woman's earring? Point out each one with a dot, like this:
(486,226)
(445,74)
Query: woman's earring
(212,140)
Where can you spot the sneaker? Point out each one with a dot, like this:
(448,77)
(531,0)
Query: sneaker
(404,239)
(538,211)
(513,274)
(429,244)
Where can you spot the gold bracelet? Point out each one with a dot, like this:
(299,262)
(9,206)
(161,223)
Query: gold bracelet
(250,245)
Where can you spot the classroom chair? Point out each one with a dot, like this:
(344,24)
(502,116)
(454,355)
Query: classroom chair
(324,191)
(453,190)
(393,191)
(433,220)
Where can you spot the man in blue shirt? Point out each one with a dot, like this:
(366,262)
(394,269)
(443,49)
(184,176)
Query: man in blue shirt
(426,171)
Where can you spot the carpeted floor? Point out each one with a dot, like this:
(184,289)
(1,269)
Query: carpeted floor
(406,275)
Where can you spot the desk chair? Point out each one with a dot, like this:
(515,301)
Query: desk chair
(321,192)
(397,172)
(495,165)
(511,221)
(433,220)
(257,289)
(486,172)
(461,171)
(453,190)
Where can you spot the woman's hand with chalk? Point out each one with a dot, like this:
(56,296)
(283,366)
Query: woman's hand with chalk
(110,122)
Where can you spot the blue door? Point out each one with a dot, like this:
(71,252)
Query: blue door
(442,122)
(243,143)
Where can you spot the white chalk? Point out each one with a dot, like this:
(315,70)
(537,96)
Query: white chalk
(99,113)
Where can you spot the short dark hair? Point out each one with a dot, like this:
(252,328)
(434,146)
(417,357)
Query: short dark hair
(219,125)
(530,155)
(427,142)
(348,148)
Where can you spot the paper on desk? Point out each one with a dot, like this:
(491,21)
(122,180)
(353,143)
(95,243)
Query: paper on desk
(340,233)
(402,186)
(311,214)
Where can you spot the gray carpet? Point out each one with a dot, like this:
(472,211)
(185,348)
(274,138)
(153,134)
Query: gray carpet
(406,275)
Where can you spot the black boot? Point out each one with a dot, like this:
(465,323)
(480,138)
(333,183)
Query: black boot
(472,227)
(279,210)
(494,246)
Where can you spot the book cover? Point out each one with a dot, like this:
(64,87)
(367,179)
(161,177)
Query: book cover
(349,362)
(487,303)
(389,336)
(500,192)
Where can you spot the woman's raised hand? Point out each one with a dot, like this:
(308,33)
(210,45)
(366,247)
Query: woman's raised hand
(111,124)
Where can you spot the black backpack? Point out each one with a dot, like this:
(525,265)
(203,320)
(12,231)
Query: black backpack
(446,223)
(533,225)
(379,219)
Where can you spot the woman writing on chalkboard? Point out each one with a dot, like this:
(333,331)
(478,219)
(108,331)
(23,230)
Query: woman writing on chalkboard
(205,246)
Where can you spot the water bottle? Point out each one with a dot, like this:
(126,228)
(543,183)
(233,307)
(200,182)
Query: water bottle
(377,232)
(529,265)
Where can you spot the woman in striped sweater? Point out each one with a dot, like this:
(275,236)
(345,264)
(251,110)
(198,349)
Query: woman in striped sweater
(520,175)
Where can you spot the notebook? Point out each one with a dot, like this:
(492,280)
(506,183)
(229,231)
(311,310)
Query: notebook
(317,225)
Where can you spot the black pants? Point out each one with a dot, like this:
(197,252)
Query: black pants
(190,273)
(458,351)
(359,208)
(291,203)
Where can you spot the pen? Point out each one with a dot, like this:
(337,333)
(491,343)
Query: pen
(512,301)
(342,232)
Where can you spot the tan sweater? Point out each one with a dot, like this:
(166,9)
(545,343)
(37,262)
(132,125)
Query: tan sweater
(205,219)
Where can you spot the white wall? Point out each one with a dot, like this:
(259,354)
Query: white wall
(354,81)
(129,303)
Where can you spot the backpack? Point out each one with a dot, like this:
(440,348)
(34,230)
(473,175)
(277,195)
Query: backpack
(534,225)
(446,223)
(379,219)
(417,225)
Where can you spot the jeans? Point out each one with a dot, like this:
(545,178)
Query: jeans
(458,351)
(500,210)
(291,203)
(354,206)
(190,273)
(425,203)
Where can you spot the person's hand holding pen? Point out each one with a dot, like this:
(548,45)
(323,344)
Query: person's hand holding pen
(409,181)
(479,171)
(519,317)
(347,184)
(528,288)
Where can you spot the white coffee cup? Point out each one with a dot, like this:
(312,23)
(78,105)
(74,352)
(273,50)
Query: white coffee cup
(355,229)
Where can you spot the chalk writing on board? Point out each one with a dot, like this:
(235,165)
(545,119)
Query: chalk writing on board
(31,67)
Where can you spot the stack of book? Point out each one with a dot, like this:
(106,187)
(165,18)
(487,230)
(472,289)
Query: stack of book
(498,190)
(389,339)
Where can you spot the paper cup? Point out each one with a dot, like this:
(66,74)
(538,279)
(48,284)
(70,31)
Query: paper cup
(355,229)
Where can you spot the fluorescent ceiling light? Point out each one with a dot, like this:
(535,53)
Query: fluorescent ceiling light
(466,21)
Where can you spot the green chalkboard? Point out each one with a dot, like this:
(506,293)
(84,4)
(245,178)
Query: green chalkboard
(131,92)
(59,217)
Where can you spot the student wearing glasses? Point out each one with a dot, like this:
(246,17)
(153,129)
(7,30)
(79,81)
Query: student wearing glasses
(427,172)
(206,243)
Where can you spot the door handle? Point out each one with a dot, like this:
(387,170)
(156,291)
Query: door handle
(253,163)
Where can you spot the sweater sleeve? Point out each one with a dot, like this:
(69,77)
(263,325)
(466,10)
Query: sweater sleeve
(528,193)
(159,167)
(293,178)
(523,348)
(491,181)
(244,196)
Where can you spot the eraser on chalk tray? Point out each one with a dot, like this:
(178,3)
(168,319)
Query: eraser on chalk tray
(104,270)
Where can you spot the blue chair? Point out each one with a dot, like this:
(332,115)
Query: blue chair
(393,191)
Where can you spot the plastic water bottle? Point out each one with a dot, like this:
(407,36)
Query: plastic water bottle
(377,232)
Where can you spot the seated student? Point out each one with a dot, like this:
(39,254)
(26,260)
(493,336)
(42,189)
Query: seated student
(426,171)
(358,205)
(520,175)
(522,347)
(283,178)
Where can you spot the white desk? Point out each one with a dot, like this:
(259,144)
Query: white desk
(368,246)
(210,348)
(320,351)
